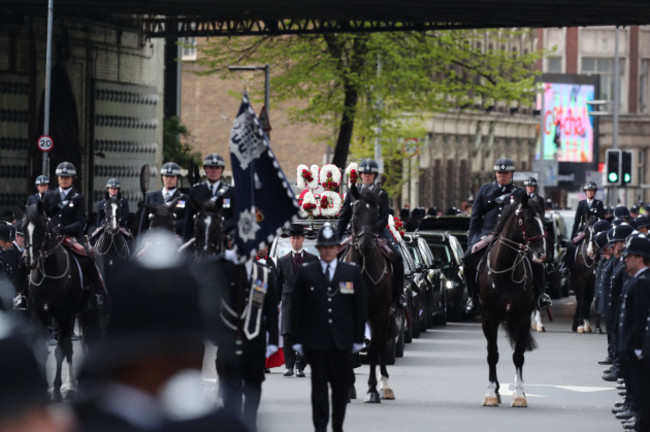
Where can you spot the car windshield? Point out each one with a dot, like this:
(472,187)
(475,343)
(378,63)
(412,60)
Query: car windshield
(415,254)
(440,252)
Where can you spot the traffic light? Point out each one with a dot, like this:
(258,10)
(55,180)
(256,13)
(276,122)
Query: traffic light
(613,167)
(626,167)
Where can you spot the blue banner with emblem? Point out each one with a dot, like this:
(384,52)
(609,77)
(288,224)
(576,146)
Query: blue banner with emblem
(264,200)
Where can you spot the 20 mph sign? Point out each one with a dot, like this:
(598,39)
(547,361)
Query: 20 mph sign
(45,143)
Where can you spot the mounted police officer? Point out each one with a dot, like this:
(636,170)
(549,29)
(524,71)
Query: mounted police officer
(113,190)
(214,186)
(170,174)
(369,171)
(488,204)
(42,186)
(587,207)
(531,189)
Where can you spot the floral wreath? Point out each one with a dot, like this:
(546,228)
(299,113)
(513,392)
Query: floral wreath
(396,227)
(352,174)
(310,205)
(330,177)
(307,177)
(330,204)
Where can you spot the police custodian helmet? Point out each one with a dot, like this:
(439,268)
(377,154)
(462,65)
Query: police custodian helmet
(530,181)
(504,165)
(214,160)
(42,180)
(590,186)
(113,183)
(368,166)
(637,245)
(65,169)
(170,169)
(327,236)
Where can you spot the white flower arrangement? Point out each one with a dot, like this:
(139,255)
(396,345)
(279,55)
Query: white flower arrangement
(330,177)
(310,205)
(352,173)
(391,227)
(334,204)
(302,172)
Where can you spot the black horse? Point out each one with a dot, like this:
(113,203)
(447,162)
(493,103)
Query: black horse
(507,289)
(111,242)
(376,272)
(162,216)
(583,278)
(54,291)
(208,229)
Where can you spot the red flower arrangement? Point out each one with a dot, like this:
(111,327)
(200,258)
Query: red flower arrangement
(330,184)
(306,174)
(308,206)
(324,202)
(399,225)
(353,176)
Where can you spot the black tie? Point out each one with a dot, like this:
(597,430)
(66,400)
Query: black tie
(297,260)
(327,272)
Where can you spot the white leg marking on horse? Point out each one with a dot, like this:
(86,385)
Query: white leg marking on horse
(536,321)
(587,326)
(519,396)
(206,223)
(384,389)
(30,233)
(70,382)
(491,398)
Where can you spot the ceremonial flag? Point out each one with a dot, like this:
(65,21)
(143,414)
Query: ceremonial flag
(264,200)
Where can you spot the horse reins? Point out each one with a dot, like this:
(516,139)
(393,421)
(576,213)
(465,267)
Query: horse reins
(355,244)
(43,255)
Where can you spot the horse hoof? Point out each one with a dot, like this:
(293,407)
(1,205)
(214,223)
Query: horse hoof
(540,328)
(372,397)
(490,401)
(581,329)
(387,394)
(587,329)
(70,395)
(519,402)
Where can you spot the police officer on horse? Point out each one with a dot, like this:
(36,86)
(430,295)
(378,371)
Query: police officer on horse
(170,174)
(113,190)
(42,186)
(488,204)
(531,189)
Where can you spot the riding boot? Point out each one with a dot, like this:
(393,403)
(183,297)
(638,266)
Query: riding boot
(97,290)
(543,300)
(398,278)
(469,270)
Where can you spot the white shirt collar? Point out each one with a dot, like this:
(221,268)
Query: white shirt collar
(297,251)
(637,274)
(332,265)
(170,191)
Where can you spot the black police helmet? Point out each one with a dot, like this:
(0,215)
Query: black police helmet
(530,181)
(6,232)
(214,160)
(602,225)
(621,211)
(113,183)
(621,232)
(637,245)
(42,180)
(601,240)
(65,169)
(327,236)
(590,186)
(367,166)
(504,165)
(170,169)
(642,221)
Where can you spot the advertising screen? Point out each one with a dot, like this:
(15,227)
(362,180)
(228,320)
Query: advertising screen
(568,129)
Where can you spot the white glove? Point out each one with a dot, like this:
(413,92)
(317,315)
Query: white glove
(231,255)
(356,347)
(270,350)
(638,353)
(298,348)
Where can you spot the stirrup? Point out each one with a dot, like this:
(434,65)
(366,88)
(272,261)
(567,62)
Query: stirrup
(544,302)
(470,306)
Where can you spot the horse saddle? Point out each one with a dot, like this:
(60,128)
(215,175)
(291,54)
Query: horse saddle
(482,244)
(385,249)
(577,239)
(74,246)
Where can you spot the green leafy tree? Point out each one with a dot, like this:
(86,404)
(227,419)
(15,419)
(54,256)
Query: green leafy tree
(352,83)
(176,144)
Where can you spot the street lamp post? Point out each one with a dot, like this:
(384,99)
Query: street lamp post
(267,83)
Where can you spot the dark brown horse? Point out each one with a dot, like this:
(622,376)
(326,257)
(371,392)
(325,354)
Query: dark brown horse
(507,290)
(54,291)
(208,229)
(376,273)
(583,278)
(111,242)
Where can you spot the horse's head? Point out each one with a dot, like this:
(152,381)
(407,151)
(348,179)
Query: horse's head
(111,209)
(364,214)
(208,227)
(523,223)
(163,216)
(36,232)
(592,249)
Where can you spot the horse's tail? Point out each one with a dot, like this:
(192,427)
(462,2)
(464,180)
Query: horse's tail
(516,331)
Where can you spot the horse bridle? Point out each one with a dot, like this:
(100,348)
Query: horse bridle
(44,254)
(355,243)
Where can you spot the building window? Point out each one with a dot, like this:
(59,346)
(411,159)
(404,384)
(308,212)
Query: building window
(605,68)
(644,86)
(554,64)
(188,48)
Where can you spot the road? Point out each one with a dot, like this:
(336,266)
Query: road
(441,380)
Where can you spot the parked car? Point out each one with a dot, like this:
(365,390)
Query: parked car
(558,237)
(458,226)
(448,254)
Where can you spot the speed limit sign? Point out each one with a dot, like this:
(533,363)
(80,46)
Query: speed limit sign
(45,143)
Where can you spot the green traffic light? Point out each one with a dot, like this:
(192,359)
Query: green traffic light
(612,177)
(627,178)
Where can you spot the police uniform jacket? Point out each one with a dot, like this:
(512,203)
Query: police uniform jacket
(488,204)
(6,270)
(236,304)
(538,199)
(33,199)
(123,212)
(603,284)
(582,214)
(69,214)
(346,212)
(156,199)
(13,257)
(199,194)
(286,278)
(328,316)
(635,304)
(619,276)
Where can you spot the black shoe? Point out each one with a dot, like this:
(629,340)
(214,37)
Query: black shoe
(544,302)
(624,415)
(470,307)
(607,361)
(289,372)
(267,370)
(631,421)
(620,386)
(619,408)
(612,376)
(300,373)
(20,302)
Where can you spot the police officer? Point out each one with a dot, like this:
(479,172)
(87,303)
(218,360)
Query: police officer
(7,265)
(113,190)
(488,204)
(328,320)
(586,208)
(249,313)
(531,190)
(369,171)
(170,174)
(642,223)
(213,164)
(287,268)
(65,206)
(42,186)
